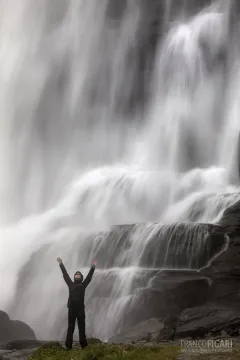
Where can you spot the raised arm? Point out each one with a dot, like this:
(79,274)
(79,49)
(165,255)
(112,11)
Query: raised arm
(64,272)
(89,276)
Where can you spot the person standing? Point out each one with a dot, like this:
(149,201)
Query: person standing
(76,306)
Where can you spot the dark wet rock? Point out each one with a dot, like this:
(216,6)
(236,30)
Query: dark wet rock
(197,303)
(230,220)
(168,330)
(146,331)
(211,318)
(149,331)
(21,331)
(13,329)
(169,293)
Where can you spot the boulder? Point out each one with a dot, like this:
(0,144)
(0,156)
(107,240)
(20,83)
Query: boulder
(147,331)
(14,330)
(5,328)
(21,331)
(211,318)
(168,330)
(169,293)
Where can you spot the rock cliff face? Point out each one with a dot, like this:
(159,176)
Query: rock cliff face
(201,302)
(154,271)
(144,271)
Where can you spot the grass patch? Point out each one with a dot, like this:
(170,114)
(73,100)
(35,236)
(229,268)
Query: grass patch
(54,351)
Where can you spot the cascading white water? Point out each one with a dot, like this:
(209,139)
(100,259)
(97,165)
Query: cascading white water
(72,162)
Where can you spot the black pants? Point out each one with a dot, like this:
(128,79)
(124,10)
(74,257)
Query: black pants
(73,314)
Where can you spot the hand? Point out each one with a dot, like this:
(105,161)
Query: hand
(94,263)
(59,261)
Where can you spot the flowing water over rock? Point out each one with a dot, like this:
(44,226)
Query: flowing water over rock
(111,115)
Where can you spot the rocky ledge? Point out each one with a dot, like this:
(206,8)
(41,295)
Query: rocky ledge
(192,304)
(23,349)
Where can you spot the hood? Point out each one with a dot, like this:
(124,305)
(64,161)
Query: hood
(76,281)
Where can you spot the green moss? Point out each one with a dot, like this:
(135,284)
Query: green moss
(54,351)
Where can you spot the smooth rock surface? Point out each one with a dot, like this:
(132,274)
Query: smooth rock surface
(211,318)
(169,293)
(14,329)
(146,331)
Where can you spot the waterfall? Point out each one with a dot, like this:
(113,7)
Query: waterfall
(118,142)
